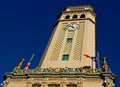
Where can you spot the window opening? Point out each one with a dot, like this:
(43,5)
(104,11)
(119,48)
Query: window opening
(36,85)
(71,85)
(82,16)
(69,40)
(67,17)
(53,85)
(74,16)
(65,57)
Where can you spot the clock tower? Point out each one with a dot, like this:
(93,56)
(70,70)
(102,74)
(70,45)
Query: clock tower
(68,58)
(73,38)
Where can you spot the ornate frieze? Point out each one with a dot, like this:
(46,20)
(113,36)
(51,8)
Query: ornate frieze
(60,70)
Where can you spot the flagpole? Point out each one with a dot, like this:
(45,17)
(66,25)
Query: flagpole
(92,63)
(98,59)
(28,64)
(88,56)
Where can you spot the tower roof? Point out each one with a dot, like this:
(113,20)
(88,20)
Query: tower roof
(79,8)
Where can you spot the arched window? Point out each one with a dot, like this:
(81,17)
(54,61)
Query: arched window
(67,17)
(82,16)
(74,16)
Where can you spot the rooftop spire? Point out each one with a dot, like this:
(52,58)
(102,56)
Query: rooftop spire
(105,62)
(105,65)
(18,67)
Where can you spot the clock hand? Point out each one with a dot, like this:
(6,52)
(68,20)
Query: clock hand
(72,27)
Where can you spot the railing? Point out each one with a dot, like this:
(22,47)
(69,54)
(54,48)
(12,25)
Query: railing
(61,71)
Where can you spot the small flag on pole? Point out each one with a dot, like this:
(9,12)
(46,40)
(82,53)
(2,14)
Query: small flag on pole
(92,59)
(28,64)
(86,55)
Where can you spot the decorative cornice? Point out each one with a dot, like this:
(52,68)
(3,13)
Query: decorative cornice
(77,20)
(63,72)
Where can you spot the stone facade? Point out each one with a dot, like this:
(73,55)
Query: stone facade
(64,77)
(77,23)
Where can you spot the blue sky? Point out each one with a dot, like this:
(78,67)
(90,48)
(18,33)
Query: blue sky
(26,25)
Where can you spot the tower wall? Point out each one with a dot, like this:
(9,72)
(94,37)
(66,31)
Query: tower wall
(83,43)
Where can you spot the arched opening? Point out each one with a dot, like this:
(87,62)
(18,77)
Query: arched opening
(74,16)
(82,16)
(67,17)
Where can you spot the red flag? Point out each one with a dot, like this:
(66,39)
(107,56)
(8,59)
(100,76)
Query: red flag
(27,66)
(86,55)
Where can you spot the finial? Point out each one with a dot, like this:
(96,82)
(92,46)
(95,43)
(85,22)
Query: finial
(18,67)
(20,64)
(4,85)
(105,62)
(105,66)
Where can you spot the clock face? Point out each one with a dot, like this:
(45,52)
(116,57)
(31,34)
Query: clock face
(72,27)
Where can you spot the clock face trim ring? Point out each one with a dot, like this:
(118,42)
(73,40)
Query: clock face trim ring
(72,27)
